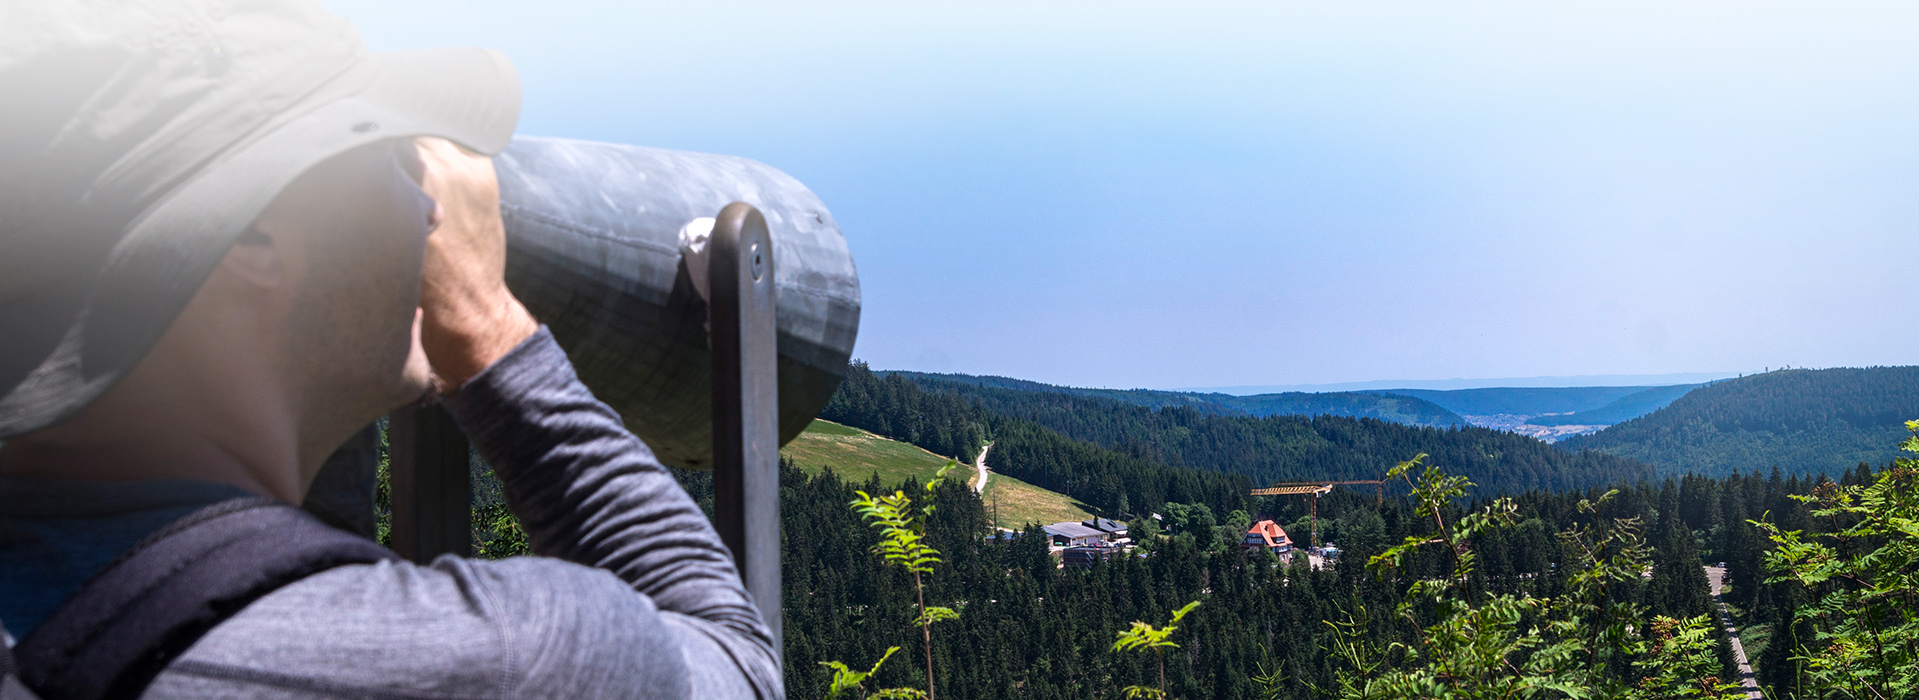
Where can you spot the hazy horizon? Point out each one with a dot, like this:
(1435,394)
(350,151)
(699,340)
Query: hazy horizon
(1255,194)
(1563,381)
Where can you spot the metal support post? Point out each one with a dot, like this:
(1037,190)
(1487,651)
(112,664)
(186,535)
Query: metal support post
(430,484)
(746,441)
(1314,506)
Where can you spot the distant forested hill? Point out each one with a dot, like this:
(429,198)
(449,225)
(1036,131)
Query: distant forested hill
(1384,406)
(1623,409)
(1392,408)
(1257,449)
(1521,401)
(1802,421)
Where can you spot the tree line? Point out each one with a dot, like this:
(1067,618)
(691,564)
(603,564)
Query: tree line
(1034,434)
(1396,408)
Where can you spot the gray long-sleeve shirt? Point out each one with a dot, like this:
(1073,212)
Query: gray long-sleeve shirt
(631,593)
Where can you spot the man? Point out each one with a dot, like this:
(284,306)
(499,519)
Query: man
(230,238)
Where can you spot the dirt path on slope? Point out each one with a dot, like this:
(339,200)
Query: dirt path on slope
(979,487)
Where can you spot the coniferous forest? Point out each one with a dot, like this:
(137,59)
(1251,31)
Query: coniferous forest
(1800,420)
(1029,628)
(1444,587)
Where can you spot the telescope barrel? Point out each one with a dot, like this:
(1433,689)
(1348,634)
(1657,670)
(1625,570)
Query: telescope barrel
(598,248)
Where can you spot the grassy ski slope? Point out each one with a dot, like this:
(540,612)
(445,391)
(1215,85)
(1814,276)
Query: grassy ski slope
(856,456)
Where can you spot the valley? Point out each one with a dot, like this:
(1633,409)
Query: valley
(1038,624)
(1524,425)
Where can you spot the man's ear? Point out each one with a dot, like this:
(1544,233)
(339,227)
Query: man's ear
(256,258)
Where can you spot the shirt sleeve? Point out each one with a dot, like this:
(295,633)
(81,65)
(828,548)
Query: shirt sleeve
(589,492)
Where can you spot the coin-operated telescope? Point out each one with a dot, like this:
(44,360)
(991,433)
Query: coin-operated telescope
(607,246)
(709,299)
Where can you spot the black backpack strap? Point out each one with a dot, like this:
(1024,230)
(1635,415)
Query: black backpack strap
(110,639)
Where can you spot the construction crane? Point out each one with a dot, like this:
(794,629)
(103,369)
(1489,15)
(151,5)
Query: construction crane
(1312,490)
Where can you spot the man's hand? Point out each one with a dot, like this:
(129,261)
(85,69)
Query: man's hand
(469,318)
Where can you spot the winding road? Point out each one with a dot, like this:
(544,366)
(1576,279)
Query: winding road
(1716,575)
(979,487)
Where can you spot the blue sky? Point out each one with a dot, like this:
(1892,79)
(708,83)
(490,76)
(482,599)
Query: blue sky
(1146,195)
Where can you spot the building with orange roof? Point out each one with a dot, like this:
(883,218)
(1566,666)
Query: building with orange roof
(1269,535)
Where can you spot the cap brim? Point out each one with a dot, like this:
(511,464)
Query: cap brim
(468,96)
